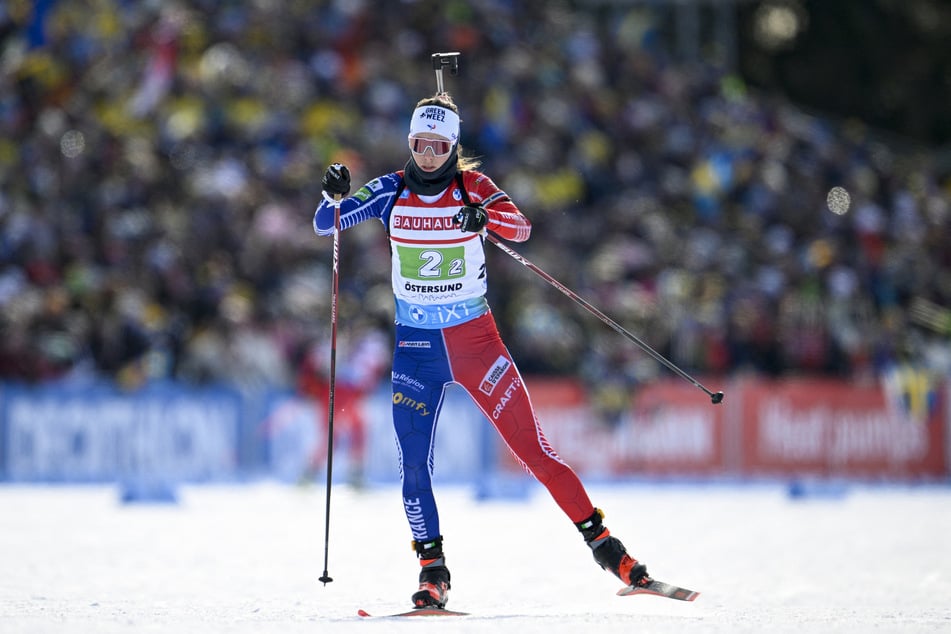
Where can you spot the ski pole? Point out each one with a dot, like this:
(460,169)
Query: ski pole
(326,578)
(715,397)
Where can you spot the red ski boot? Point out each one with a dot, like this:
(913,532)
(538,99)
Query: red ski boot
(610,553)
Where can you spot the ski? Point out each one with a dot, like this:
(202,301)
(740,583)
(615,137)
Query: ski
(655,587)
(660,589)
(414,612)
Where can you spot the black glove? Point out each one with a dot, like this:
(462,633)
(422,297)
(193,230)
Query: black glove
(472,218)
(337,179)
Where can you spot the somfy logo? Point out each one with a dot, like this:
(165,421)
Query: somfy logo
(494,375)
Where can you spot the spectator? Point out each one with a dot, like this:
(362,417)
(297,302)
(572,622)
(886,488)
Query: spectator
(157,160)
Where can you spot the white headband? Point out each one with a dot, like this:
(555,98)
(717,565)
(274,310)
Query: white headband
(435,119)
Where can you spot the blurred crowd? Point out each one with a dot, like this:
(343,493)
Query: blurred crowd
(160,163)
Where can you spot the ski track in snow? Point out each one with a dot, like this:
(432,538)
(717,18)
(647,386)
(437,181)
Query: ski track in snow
(246,559)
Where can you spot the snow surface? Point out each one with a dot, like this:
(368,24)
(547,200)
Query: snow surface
(246,558)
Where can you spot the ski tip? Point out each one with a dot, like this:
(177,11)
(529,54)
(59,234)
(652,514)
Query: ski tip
(362,613)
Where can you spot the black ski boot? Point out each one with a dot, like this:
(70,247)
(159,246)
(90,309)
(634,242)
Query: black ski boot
(434,577)
(609,552)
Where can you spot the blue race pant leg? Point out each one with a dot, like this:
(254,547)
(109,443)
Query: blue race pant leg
(420,375)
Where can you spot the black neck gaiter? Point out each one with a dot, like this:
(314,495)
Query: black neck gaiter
(430,183)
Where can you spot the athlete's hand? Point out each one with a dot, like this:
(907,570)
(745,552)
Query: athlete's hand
(337,179)
(472,218)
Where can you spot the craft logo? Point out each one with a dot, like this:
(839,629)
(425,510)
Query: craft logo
(494,375)
(505,398)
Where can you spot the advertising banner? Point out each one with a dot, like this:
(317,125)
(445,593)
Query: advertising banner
(100,433)
(834,429)
(668,429)
(895,429)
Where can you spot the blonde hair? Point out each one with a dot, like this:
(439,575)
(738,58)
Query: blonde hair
(443,100)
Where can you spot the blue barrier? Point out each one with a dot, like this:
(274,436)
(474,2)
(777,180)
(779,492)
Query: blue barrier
(151,439)
(99,433)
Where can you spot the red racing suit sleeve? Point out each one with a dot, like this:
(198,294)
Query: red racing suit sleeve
(505,219)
